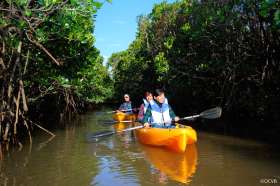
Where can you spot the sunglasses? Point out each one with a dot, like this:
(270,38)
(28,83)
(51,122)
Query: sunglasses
(126,97)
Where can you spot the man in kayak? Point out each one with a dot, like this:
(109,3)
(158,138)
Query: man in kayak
(160,112)
(144,106)
(126,106)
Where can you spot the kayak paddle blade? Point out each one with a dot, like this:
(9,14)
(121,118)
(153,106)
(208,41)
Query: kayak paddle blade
(211,113)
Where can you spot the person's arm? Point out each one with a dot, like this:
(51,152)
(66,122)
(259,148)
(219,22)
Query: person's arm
(147,115)
(132,108)
(141,113)
(172,114)
(121,107)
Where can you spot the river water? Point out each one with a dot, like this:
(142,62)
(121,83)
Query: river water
(72,158)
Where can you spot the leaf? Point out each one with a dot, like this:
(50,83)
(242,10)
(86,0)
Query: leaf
(97,4)
(277,18)
(186,27)
(73,2)
(28,13)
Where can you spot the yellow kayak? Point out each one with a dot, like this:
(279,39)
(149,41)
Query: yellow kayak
(121,126)
(120,116)
(178,166)
(176,139)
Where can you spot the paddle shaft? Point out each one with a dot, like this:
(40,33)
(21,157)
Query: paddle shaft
(190,117)
(114,132)
(113,121)
(119,110)
(115,111)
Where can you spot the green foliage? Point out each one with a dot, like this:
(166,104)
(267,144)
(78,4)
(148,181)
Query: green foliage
(161,65)
(207,53)
(186,27)
(60,30)
(93,83)
(169,42)
(277,18)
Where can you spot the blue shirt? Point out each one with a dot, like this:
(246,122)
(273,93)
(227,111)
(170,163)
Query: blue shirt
(126,106)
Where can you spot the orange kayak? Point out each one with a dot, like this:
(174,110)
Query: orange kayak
(178,166)
(120,116)
(175,139)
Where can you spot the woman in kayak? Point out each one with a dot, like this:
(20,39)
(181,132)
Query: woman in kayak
(144,106)
(126,106)
(160,112)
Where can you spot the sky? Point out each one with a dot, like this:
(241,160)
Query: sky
(116,24)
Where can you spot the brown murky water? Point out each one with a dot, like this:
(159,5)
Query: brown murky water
(68,159)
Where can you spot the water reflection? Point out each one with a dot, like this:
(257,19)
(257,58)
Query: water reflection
(121,126)
(51,161)
(122,159)
(177,166)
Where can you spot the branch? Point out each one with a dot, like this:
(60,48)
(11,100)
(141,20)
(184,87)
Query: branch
(44,49)
(40,127)
(21,88)
(2,64)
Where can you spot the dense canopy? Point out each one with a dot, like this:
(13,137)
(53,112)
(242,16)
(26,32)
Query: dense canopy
(49,66)
(207,53)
